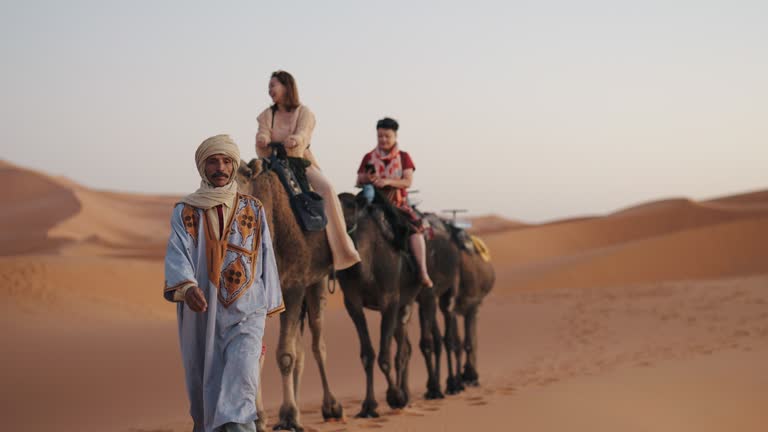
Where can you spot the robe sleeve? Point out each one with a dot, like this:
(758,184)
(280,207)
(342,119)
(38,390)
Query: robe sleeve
(269,274)
(305,125)
(179,268)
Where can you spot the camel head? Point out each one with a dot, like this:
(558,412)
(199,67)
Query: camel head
(245,175)
(353,207)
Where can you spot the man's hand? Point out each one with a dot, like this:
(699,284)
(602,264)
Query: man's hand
(291,142)
(195,299)
(261,141)
(382,183)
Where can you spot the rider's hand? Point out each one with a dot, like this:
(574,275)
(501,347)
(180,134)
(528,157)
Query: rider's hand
(381,183)
(195,299)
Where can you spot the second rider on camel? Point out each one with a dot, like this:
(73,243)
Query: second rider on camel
(391,171)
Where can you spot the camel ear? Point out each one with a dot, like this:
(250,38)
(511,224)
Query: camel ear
(244,170)
(256,166)
(348,200)
(361,201)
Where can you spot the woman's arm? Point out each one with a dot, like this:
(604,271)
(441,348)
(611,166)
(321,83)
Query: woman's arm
(364,178)
(264,135)
(302,137)
(403,183)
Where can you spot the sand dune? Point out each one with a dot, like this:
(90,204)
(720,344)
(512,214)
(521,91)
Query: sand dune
(756,198)
(726,249)
(483,225)
(55,215)
(115,224)
(34,205)
(590,321)
(532,244)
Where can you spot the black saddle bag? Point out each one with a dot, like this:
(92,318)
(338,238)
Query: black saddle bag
(308,206)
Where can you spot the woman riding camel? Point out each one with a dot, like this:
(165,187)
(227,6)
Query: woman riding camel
(390,170)
(289,122)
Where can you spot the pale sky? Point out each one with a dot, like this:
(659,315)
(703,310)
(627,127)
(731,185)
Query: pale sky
(534,110)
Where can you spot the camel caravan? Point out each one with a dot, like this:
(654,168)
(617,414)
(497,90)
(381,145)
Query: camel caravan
(270,234)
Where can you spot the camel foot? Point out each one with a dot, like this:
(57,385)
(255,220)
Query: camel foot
(261,424)
(288,426)
(397,398)
(288,420)
(470,377)
(332,410)
(454,386)
(369,409)
(432,394)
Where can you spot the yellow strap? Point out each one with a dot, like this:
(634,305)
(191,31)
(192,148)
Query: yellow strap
(481,248)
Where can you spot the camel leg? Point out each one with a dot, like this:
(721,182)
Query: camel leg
(403,355)
(470,376)
(354,307)
(389,322)
(427,344)
(316,300)
(287,361)
(261,421)
(457,349)
(298,370)
(437,338)
(450,339)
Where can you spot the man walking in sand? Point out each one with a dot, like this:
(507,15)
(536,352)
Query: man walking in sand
(220,268)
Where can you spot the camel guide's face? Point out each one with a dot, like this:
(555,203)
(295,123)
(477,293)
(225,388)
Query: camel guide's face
(387,139)
(219,169)
(276,90)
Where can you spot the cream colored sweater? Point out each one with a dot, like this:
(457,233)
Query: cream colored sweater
(297,124)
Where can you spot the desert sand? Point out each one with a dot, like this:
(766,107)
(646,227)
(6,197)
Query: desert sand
(651,318)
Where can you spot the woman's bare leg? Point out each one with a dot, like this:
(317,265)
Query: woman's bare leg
(419,247)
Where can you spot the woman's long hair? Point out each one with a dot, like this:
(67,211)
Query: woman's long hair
(291,91)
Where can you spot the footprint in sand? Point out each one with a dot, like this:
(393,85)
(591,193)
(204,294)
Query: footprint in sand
(330,421)
(371,426)
(741,333)
(414,414)
(507,390)
(479,403)
(547,381)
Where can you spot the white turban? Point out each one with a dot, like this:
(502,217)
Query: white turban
(208,196)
